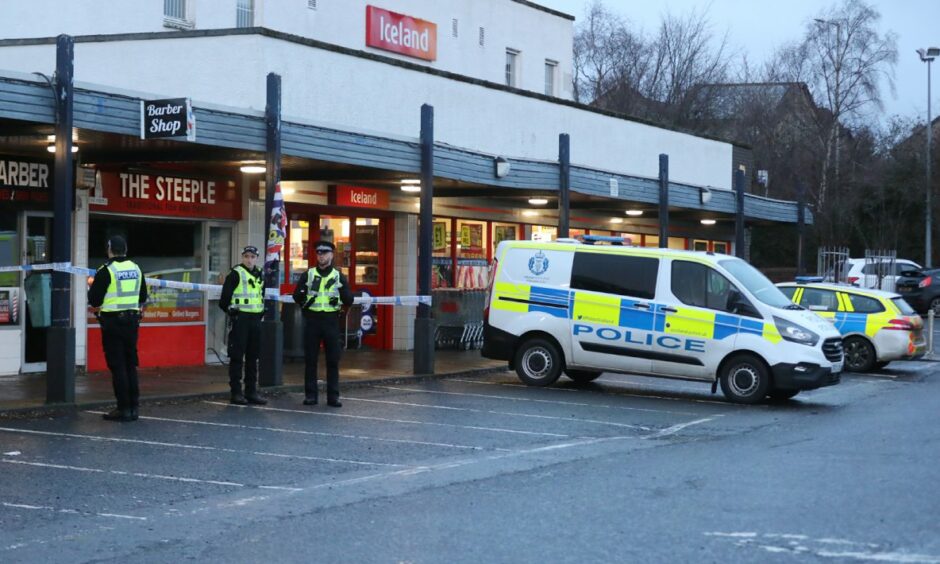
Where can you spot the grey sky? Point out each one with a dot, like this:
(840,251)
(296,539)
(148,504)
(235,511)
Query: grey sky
(756,28)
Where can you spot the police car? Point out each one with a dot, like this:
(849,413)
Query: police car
(876,326)
(583,309)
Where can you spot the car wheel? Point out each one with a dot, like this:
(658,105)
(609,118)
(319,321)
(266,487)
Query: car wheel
(782,395)
(582,376)
(935,306)
(745,379)
(859,355)
(538,362)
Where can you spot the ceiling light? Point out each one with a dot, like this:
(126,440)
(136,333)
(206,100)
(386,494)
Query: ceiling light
(51,138)
(616,220)
(529,213)
(51,148)
(411,181)
(634,213)
(538,201)
(252,169)
(708,222)
(287,191)
(411,187)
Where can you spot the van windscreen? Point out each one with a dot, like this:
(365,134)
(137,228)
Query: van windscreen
(756,283)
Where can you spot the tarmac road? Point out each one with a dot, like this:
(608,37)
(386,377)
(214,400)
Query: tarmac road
(454,470)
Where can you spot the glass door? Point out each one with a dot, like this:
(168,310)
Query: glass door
(37,291)
(220,262)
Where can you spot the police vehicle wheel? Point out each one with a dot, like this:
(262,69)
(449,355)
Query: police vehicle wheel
(782,395)
(745,379)
(859,355)
(538,362)
(582,376)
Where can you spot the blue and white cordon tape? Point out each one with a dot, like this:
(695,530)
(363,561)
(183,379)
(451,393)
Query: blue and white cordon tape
(270,293)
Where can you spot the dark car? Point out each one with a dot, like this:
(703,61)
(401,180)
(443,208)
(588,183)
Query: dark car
(921,289)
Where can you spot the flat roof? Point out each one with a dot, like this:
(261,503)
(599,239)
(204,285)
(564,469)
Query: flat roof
(541,8)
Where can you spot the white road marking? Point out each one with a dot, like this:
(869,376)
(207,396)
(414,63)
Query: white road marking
(12,453)
(559,402)
(387,420)
(192,447)
(311,433)
(507,413)
(70,511)
(122,473)
(676,428)
(802,544)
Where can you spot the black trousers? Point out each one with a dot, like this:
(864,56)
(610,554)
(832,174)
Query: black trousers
(244,342)
(119,340)
(322,328)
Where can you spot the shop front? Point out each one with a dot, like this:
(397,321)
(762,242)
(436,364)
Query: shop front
(181,227)
(25,238)
(359,222)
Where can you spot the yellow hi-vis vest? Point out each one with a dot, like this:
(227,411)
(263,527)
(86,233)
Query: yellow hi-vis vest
(319,299)
(124,291)
(249,294)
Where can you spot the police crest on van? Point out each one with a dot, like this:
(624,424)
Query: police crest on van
(538,264)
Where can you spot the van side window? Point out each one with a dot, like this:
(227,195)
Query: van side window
(615,274)
(700,286)
(862,304)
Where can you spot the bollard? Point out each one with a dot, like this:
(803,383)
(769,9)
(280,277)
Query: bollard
(930,318)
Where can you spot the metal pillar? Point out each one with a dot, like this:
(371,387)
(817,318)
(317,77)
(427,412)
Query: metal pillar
(60,348)
(739,215)
(663,201)
(564,184)
(928,231)
(424,323)
(271,371)
(800,229)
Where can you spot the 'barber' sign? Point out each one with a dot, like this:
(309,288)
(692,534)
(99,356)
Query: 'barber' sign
(167,119)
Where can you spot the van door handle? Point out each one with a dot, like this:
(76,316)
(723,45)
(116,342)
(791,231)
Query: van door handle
(641,306)
(669,310)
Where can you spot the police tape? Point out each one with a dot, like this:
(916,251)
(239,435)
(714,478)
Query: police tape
(270,293)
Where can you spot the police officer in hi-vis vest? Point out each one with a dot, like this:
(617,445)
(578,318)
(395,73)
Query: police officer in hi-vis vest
(321,292)
(243,299)
(117,295)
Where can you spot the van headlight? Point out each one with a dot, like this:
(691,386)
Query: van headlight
(795,333)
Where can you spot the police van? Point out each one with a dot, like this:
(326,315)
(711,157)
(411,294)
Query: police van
(583,308)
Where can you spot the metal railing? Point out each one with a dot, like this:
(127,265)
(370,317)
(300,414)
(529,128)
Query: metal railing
(832,264)
(880,269)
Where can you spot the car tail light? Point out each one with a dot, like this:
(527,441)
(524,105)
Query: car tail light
(489,291)
(900,325)
(853,280)
(925,282)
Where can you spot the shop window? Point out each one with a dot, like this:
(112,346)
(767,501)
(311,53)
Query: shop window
(504,232)
(652,241)
(367,251)
(442,261)
(471,254)
(9,281)
(699,245)
(573,233)
(544,233)
(299,249)
(615,274)
(677,243)
(168,250)
(336,230)
(633,239)
(720,247)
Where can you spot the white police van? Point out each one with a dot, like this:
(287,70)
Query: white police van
(583,309)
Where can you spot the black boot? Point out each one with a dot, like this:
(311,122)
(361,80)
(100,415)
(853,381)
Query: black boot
(238,399)
(117,415)
(255,399)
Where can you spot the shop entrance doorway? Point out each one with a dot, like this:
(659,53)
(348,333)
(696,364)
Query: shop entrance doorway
(363,252)
(37,291)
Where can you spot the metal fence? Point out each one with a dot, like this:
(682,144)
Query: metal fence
(880,270)
(245,13)
(458,317)
(832,264)
(175,9)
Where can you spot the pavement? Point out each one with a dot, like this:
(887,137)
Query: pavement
(482,468)
(27,392)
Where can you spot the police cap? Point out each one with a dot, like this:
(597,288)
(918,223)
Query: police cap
(250,249)
(324,247)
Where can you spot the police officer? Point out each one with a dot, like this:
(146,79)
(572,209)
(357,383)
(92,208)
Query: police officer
(243,300)
(321,292)
(117,296)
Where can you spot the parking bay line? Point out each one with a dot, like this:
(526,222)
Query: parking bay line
(311,433)
(508,413)
(535,400)
(122,473)
(387,420)
(70,511)
(195,447)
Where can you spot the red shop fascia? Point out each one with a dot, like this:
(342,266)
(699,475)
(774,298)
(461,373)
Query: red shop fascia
(157,207)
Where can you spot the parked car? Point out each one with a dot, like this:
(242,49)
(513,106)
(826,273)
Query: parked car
(881,276)
(876,326)
(921,289)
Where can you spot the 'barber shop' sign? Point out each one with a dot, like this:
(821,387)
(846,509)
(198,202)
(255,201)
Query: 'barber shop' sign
(172,118)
